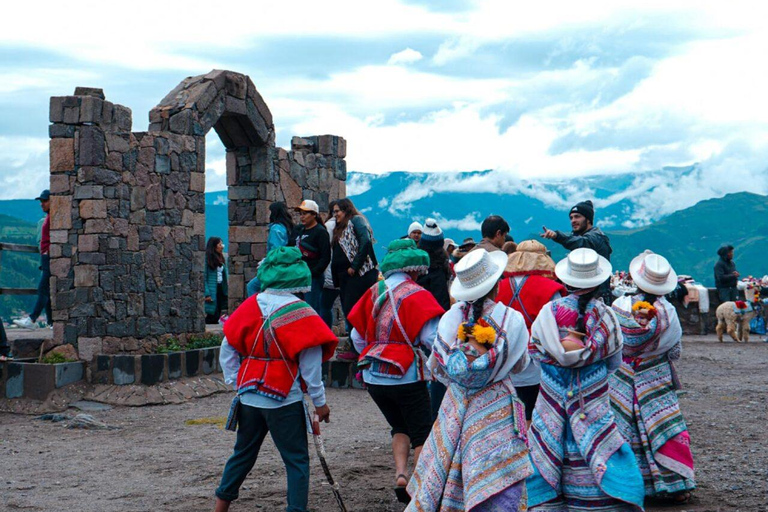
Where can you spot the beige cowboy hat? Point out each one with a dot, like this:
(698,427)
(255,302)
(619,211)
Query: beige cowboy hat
(530,258)
(583,268)
(652,273)
(477,273)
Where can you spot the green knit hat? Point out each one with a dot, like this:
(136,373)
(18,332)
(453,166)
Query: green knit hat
(284,270)
(403,256)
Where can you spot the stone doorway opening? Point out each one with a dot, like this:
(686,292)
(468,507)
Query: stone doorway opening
(128,208)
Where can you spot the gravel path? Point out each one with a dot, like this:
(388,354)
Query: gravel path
(155,461)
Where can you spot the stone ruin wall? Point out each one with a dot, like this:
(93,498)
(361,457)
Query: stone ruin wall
(128,208)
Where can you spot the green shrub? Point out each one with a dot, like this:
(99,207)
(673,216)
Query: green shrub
(171,345)
(55,358)
(205,341)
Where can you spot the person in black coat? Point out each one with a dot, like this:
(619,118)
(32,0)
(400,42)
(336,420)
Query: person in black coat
(585,234)
(726,276)
(435,281)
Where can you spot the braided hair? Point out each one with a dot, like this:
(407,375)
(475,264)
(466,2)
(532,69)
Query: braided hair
(478,305)
(583,302)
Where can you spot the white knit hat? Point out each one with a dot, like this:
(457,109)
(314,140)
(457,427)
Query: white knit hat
(415,226)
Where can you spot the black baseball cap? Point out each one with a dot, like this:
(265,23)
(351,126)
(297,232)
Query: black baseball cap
(45,195)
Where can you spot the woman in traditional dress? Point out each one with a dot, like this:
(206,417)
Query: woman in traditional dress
(581,461)
(643,389)
(476,457)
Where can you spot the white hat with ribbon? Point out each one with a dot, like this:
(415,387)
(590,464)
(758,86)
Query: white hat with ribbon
(477,273)
(583,268)
(652,273)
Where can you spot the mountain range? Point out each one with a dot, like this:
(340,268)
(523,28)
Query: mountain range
(637,212)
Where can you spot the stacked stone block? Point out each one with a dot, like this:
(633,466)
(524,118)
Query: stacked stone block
(128,208)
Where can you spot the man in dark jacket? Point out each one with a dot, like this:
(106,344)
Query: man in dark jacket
(584,234)
(726,275)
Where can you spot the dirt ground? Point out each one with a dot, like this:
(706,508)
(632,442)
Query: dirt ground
(157,462)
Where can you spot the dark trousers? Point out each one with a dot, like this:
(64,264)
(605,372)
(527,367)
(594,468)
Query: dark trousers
(43,291)
(406,408)
(728,294)
(327,300)
(289,432)
(314,295)
(5,349)
(436,393)
(221,299)
(351,289)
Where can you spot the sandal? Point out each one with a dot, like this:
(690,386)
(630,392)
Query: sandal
(400,491)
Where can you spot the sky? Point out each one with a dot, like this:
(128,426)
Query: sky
(533,91)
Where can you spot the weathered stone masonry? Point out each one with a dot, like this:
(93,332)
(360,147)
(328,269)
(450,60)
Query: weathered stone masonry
(128,208)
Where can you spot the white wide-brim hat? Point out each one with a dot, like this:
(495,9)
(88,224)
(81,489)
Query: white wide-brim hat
(583,268)
(477,273)
(652,273)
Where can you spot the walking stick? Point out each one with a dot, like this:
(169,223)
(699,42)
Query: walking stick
(313,426)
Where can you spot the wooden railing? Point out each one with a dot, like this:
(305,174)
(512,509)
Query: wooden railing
(18,248)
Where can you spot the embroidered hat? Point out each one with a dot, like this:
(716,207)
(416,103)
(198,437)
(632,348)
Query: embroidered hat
(583,268)
(403,256)
(477,273)
(284,270)
(415,226)
(530,259)
(652,273)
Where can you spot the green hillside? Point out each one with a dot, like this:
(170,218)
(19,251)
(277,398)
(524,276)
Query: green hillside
(17,270)
(690,238)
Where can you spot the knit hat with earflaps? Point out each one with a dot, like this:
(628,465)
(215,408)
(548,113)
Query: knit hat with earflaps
(403,256)
(283,270)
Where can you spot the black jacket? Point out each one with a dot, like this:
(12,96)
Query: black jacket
(315,247)
(724,270)
(593,238)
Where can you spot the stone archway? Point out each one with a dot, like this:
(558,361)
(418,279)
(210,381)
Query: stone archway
(128,208)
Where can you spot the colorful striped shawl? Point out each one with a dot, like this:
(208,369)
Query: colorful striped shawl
(508,355)
(577,397)
(475,452)
(603,335)
(661,334)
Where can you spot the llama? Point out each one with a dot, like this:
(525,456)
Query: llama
(734,317)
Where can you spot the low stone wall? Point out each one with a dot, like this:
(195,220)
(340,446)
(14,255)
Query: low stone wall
(151,369)
(23,379)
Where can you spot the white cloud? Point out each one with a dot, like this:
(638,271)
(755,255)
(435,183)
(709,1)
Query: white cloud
(407,56)
(156,43)
(359,184)
(471,222)
(24,166)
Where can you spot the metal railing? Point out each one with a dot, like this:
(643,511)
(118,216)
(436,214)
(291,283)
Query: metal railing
(18,248)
